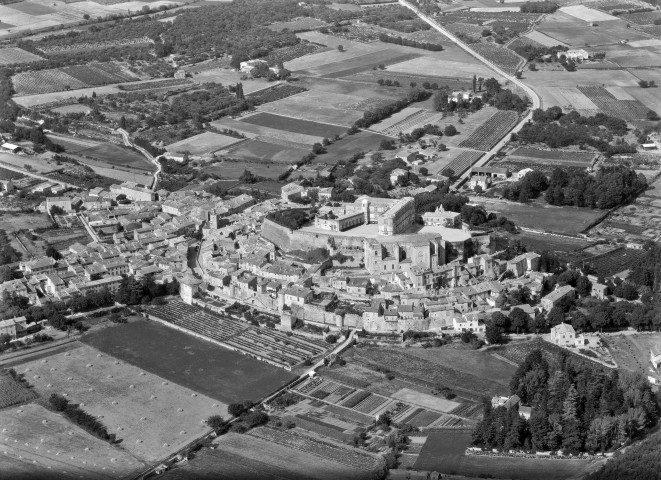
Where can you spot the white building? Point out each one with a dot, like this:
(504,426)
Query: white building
(563,335)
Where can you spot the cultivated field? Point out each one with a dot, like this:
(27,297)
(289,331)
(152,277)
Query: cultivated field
(491,131)
(152,416)
(13,392)
(298,25)
(503,57)
(361,142)
(574,31)
(107,153)
(38,443)
(538,242)
(69,78)
(247,456)
(15,222)
(258,151)
(233,169)
(14,56)
(189,361)
(543,217)
(444,452)
(422,66)
(272,134)
(608,103)
(294,125)
(203,144)
(304,108)
(433,372)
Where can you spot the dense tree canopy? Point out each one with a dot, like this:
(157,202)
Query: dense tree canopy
(576,407)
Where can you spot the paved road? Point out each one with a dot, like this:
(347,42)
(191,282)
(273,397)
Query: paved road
(157,164)
(535,98)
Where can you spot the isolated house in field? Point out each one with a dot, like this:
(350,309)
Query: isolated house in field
(490,172)
(563,335)
(250,65)
(523,172)
(655,356)
(579,54)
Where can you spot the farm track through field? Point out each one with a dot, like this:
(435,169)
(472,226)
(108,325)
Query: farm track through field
(536,99)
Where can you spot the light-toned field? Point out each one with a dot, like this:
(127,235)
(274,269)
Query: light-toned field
(632,352)
(247,456)
(38,443)
(258,151)
(587,14)
(315,60)
(423,66)
(424,400)
(153,417)
(30,101)
(254,131)
(578,33)
(543,217)
(545,40)
(15,222)
(13,56)
(75,108)
(307,109)
(44,81)
(38,14)
(228,76)
(202,144)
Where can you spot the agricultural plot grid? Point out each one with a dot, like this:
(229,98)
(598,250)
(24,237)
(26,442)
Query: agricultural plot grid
(491,131)
(610,105)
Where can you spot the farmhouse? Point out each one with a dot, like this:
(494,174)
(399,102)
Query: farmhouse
(489,172)
(10,147)
(579,54)
(563,335)
(398,174)
(61,202)
(13,327)
(549,301)
(249,65)
(481,181)
(523,172)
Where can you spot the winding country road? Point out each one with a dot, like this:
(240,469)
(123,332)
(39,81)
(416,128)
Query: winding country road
(534,97)
(157,164)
